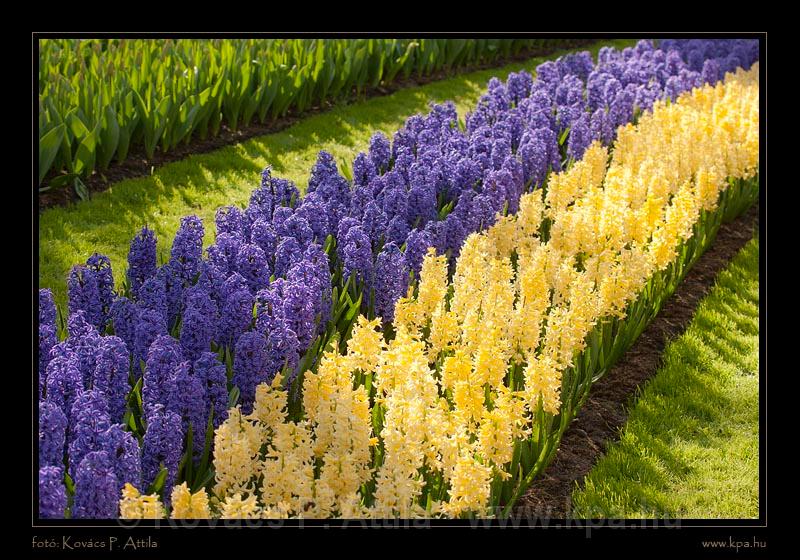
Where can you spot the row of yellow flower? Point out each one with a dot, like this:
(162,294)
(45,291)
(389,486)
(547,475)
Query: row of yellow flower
(429,422)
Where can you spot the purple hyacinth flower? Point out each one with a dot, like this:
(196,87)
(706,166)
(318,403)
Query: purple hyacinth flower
(252,265)
(362,196)
(63,381)
(263,234)
(215,383)
(88,423)
(519,85)
(123,449)
(380,152)
(512,128)
(299,308)
(483,212)
(480,148)
(356,255)
(222,253)
(674,63)
(374,222)
(596,87)
(280,215)
(500,151)
(199,297)
(231,220)
(83,293)
(611,88)
(548,73)
(463,209)
(579,64)
(438,236)
(163,357)
(47,339)
(173,274)
(403,161)
(404,140)
(251,366)
(284,191)
(579,137)
(210,281)
(344,226)
(673,88)
(313,211)
(711,73)
(162,445)
(455,234)
(533,153)
(153,295)
(187,399)
(600,127)
(391,281)
(52,493)
(141,259)
(269,307)
(397,229)
(498,95)
(695,59)
(325,175)
(198,331)
(262,199)
(100,265)
(124,316)
(47,308)
(52,434)
(417,244)
(237,309)
(363,170)
(395,201)
(333,189)
(200,321)
(296,226)
(498,188)
(111,374)
(421,206)
(467,175)
(316,270)
(283,349)
(187,248)
(84,340)
(287,253)
(96,488)
(150,326)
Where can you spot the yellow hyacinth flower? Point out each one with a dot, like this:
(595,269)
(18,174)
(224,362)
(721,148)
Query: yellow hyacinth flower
(134,505)
(236,507)
(186,505)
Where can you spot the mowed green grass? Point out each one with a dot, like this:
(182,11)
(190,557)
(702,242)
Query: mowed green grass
(690,445)
(202,183)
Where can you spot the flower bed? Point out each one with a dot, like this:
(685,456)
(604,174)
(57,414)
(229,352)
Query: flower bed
(185,337)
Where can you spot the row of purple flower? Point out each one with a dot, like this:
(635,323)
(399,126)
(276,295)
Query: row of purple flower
(283,256)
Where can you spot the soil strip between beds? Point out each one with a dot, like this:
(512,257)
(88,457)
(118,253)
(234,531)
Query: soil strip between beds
(599,421)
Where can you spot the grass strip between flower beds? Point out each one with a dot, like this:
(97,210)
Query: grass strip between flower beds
(689,448)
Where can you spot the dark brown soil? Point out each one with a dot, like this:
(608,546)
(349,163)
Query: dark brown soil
(138,165)
(606,410)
